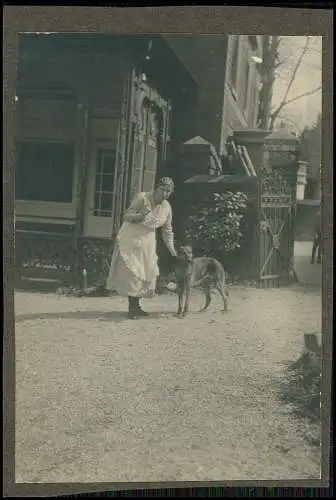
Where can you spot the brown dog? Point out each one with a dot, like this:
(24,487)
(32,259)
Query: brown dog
(204,272)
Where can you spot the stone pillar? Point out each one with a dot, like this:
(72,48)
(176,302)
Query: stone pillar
(196,158)
(253,140)
(282,156)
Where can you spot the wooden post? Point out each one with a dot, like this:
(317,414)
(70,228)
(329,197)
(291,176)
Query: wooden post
(119,176)
(86,111)
(129,124)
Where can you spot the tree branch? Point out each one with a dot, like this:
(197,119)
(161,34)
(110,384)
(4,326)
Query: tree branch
(279,63)
(283,104)
(296,68)
(285,100)
(275,113)
(312,66)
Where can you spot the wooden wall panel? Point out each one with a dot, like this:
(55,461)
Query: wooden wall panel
(46,119)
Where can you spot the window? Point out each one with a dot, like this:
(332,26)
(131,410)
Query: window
(104,184)
(234,62)
(44,171)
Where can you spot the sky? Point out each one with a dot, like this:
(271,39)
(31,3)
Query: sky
(303,111)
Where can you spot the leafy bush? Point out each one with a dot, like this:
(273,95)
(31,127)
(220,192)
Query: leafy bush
(215,224)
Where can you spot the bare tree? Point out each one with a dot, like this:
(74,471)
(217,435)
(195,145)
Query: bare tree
(286,67)
(267,72)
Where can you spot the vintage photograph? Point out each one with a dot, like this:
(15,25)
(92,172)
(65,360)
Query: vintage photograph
(168,250)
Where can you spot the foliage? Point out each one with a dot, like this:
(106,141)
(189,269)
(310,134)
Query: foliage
(97,257)
(215,224)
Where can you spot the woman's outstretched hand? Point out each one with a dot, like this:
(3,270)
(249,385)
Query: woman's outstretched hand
(137,217)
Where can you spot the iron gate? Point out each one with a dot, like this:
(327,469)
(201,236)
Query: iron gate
(276,200)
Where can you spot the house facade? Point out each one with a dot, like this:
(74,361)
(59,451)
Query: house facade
(100,117)
(226,71)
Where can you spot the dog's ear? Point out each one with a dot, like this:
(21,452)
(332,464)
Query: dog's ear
(186,251)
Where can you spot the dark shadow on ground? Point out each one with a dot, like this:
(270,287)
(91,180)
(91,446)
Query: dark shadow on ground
(306,289)
(115,316)
(59,291)
(301,390)
(36,290)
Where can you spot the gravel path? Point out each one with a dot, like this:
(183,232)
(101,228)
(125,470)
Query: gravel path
(103,398)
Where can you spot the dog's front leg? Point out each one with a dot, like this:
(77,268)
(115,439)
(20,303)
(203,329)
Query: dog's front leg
(180,293)
(187,296)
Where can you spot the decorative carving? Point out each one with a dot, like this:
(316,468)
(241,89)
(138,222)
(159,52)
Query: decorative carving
(153,124)
(139,100)
(275,187)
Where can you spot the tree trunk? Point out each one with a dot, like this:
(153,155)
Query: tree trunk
(270,49)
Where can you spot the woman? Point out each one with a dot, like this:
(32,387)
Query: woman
(134,265)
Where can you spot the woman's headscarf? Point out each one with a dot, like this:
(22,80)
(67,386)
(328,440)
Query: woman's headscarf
(166,182)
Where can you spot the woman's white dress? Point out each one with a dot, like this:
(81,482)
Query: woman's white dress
(134,264)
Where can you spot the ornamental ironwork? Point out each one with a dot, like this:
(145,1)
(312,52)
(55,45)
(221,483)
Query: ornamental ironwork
(274,185)
(264,226)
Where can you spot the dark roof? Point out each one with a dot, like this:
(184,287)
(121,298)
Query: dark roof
(197,140)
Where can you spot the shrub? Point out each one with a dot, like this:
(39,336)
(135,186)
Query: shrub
(215,225)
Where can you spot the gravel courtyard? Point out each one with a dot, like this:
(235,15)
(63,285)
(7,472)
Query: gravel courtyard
(103,398)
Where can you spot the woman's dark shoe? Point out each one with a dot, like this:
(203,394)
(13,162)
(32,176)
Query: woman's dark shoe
(132,315)
(142,313)
(132,308)
(139,311)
